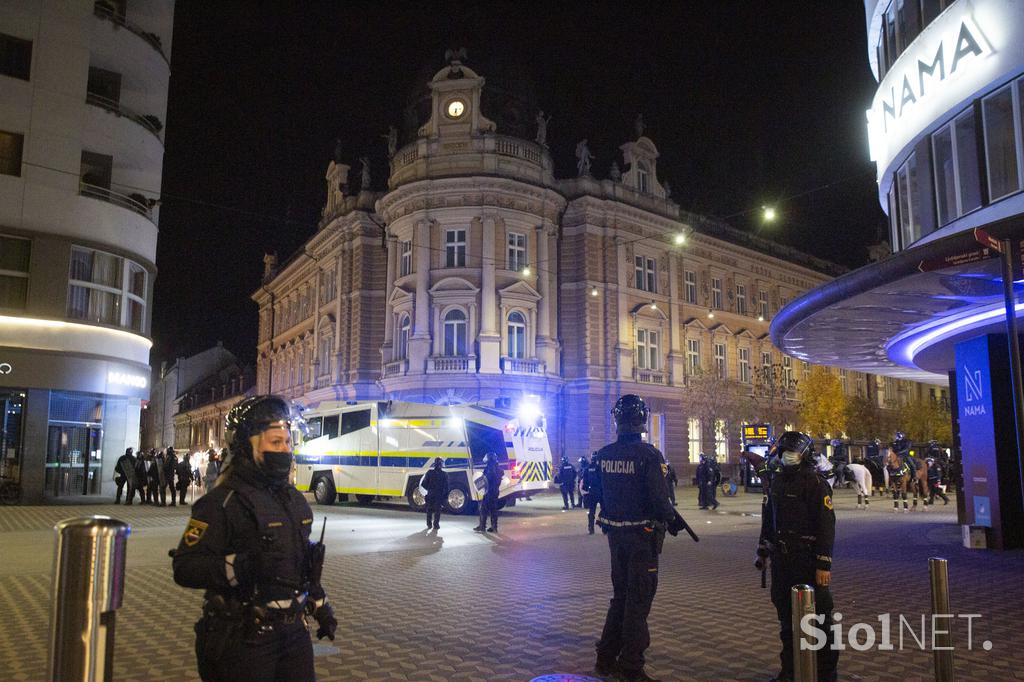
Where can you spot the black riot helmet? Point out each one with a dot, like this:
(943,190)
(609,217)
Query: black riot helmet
(255,415)
(583,461)
(438,463)
(794,441)
(630,413)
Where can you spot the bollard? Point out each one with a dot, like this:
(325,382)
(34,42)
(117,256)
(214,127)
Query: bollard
(938,571)
(88,587)
(805,661)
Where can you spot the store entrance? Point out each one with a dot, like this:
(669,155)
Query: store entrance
(73,460)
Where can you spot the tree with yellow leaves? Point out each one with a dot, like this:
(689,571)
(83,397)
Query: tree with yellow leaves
(823,404)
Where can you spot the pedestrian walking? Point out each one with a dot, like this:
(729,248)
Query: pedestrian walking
(635,513)
(124,474)
(248,546)
(798,529)
(213,465)
(435,482)
(184,476)
(489,503)
(566,480)
(170,472)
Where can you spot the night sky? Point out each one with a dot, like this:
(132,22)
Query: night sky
(749,103)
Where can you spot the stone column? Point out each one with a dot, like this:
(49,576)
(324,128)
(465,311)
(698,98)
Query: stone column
(419,342)
(546,346)
(389,324)
(490,339)
(676,358)
(624,345)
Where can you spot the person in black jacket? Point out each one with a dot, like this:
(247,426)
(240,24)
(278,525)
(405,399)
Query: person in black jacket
(714,479)
(489,503)
(124,473)
(157,479)
(588,498)
(435,482)
(184,476)
(566,478)
(247,545)
(634,505)
(142,477)
(798,528)
(170,471)
(702,481)
(935,476)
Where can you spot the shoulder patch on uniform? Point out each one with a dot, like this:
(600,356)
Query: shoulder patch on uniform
(664,469)
(828,502)
(306,522)
(194,532)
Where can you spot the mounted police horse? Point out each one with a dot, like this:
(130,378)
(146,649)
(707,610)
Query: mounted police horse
(861,478)
(907,474)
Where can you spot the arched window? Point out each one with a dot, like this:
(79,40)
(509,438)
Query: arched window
(404,327)
(455,329)
(643,175)
(516,336)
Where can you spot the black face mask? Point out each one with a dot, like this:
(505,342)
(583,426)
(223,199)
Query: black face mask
(277,465)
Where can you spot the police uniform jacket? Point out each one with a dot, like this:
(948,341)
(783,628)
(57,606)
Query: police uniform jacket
(632,484)
(436,483)
(141,475)
(798,518)
(493,475)
(267,525)
(567,475)
(714,474)
(184,472)
(170,466)
(840,454)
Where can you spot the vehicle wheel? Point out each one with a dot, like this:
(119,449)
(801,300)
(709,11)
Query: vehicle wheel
(365,499)
(323,491)
(416,501)
(458,501)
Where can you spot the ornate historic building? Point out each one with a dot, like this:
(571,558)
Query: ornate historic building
(480,275)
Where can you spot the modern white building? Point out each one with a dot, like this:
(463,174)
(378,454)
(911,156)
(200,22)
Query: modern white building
(946,130)
(83,97)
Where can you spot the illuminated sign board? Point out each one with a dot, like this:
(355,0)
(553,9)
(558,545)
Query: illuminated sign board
(125,379)
(753,432)
(961,53)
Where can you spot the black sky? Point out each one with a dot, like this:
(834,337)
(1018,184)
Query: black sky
(749,103)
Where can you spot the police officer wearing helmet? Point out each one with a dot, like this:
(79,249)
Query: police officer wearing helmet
(797,532)
(435,482)
(489,503)
(634,505)
(247,545)
(591,488)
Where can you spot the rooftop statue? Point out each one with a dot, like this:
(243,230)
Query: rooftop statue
(583,158)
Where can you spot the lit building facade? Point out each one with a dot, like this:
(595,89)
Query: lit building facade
(478,275)
(83,96)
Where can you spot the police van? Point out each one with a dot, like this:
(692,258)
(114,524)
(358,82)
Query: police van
(382,450)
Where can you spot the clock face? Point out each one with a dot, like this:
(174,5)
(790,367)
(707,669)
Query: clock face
(455,108)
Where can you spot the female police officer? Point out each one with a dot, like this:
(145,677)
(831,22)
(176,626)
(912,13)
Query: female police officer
(247,544)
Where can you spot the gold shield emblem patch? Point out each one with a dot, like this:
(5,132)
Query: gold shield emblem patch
(828,502)
(194,532)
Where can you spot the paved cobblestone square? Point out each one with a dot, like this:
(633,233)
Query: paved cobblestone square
(530,600)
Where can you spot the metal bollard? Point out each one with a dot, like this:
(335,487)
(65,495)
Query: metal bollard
(88,587)
(938,571)
(805,661)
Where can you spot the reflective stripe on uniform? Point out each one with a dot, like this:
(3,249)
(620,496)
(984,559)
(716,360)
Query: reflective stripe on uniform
(623,524)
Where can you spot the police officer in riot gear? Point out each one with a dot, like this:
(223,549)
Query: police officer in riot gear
(566,478)
(124,473)
(247,545)
(797,532)
(714,479)
(671,480)
(590,487)
(840,460)
(435,482)
(635,511)
(170,467)
(489,503)
(702,481)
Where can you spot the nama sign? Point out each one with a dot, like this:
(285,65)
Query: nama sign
(954,59)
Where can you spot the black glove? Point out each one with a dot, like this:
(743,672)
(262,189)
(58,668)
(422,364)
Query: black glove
(763,552)
(324,617)
(675,525)
(245,570)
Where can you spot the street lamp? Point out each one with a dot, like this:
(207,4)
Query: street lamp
(526,271)
(768,214)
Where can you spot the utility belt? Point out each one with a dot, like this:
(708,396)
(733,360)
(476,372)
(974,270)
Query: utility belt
(609,524)
(255,618)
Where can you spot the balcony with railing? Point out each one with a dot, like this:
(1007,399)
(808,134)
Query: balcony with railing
(396,368)
(451,365)
(650,376)
(522,366)
(109,11)
(137,203)
(147,121)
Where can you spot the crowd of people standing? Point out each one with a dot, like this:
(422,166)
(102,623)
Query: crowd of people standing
(152,474)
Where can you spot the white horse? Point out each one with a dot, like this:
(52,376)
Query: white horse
(861,477)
